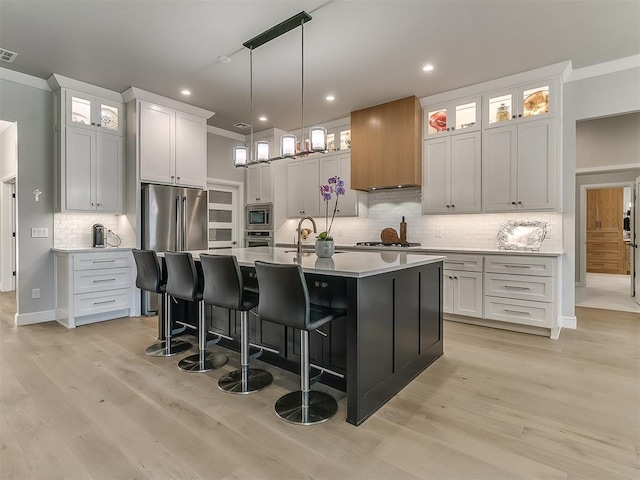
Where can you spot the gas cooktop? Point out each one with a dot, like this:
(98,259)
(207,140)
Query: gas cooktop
(384,244)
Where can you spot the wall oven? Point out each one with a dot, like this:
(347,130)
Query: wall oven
(258,239)
(258,216)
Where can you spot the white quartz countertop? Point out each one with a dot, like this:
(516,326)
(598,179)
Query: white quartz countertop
(342,264)
(91,249)
(439,250)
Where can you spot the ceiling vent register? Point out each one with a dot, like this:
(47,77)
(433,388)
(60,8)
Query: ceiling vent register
(242,125)
(7,56)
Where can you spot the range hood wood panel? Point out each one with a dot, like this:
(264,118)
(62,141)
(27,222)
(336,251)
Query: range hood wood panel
(386,145)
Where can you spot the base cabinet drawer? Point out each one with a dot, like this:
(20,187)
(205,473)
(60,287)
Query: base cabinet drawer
(520,265)
(523,287)
(87,281)
(468,263)
(525,312)
(100,302)
(108,259)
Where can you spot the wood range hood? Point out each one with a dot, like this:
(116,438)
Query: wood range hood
(386,145)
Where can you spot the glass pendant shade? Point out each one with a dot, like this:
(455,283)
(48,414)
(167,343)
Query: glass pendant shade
(262,151)
(318,139)
(288,145)
(240,156)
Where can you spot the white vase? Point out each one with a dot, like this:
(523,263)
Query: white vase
(324,248)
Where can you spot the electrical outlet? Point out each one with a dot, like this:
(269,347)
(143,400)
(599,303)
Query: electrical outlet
(35,293)
(438,232)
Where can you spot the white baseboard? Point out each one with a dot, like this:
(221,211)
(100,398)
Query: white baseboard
(567,322)
(35,317)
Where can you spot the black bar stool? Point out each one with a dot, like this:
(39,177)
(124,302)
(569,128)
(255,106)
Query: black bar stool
(224,287)
(149,278)
(183,283)
(284,299)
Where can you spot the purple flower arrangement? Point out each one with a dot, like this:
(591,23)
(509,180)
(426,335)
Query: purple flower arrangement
(334,186)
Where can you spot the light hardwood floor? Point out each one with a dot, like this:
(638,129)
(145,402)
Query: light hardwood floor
(87,403)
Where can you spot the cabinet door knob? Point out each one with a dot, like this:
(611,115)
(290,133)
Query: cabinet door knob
(178,178)
(513,203)
(93,204)
(453,128)
(93,123)
(98,125)
(455,278)
(453,206)
(513,116)
(172,177)
(448,129)
(520,115)
(519,203)
(448,206)
(99,204)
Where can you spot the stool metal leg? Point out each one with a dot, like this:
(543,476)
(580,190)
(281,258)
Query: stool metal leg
(246,380)
(167,347)
(306,407)
(202,361)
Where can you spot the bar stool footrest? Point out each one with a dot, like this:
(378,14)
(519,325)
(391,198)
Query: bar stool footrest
(256,380)
(321,407)
(194,364)
(159,349)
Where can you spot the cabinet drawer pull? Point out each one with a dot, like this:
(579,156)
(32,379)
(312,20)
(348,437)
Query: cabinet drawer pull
(517,266)
(516,287)
(104,261)
(106,301)
(105,280)
(517,311)
(453,262)
(322,333)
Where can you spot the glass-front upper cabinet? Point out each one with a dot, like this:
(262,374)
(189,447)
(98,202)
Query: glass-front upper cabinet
(452,117)
(93,112)
(527,102)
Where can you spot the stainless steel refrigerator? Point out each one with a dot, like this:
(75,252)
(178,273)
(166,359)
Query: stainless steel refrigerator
(173,219)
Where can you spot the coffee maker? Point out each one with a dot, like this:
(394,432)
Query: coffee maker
(99,235)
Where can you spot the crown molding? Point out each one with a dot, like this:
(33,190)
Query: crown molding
(57,81)
(135,93)
(24,79)
(225,133)
(625,63)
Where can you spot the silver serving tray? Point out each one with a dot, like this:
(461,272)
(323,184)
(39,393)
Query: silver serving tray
(522,235)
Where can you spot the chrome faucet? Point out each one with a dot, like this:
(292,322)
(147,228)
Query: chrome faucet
(299,230)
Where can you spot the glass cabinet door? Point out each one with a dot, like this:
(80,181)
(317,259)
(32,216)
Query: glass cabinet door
(527,102)
(459,116)
(500,108)
(79,110)
(435,121)
(535,101)
(466,115)
(109,116)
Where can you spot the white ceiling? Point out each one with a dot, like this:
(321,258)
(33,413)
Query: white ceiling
(363,52)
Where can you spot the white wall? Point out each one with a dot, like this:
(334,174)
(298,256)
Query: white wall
(32,108)
(8,151)
(598,96)
(608,142)
(220,158)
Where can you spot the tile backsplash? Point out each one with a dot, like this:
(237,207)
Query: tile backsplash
(74,230)
(386,209)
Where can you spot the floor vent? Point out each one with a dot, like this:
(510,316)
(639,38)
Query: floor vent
(242,125)
(7,56)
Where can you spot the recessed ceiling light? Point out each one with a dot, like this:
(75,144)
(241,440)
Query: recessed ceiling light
(224,59)
(185,92)
(427,68)
(262,118)
(330,98)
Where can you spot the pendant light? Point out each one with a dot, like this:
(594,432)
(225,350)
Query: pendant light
(260,151)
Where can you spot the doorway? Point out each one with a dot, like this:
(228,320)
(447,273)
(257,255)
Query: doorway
(8,205)
(607,237)
(224,213)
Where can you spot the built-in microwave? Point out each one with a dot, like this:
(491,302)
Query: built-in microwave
(258,216)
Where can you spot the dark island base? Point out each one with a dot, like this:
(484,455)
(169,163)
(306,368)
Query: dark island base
(391,333)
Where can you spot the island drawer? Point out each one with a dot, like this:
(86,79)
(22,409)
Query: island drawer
(91,261)
(99,302)
(525,312)
(523,287)
(520,265)
(467,263)
(86,281)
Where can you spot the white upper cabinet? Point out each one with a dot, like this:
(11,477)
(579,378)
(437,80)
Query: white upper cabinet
(303,188)
(452,174)
(259,183)
(351,204)
(527,102)
(458,116)
(87,111)
(173,146)
(519,167)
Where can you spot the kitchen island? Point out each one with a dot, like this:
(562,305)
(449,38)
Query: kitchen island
(392,330)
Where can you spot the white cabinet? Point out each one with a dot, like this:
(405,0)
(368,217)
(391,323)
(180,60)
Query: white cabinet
(93,113)
(462,293)
(89,151)
(519,104)
(454,117)
(451,174)
(353,202)
(303,188)
(93,286)
(173,146)
(519,167)
(520,290)
(94,167)
(259,181)
(462,282)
